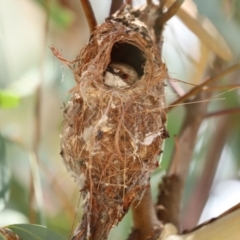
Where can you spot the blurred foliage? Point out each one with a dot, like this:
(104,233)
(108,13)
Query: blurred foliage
(236,11)
(2,237)
(26,63)
(8,99)
(34,232)
(4,175)
(59,14)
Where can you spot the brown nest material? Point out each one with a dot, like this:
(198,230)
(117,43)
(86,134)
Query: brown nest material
(111,137)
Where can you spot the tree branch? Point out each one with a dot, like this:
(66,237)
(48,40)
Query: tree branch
(146,224)
(202,189)
(224,112)
(149,2)
(116,4)
(87,8)
(168,207)
(163,18)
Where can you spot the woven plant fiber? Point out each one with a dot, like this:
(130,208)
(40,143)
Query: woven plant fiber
(111,136)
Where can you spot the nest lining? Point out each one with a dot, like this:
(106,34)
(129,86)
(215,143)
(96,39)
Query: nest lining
(129,54)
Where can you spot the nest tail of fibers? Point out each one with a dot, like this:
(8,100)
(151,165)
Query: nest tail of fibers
(111,136)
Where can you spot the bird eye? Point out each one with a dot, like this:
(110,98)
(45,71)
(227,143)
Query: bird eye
(124,76)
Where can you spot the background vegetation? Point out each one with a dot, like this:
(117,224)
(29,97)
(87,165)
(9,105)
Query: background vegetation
(34,184)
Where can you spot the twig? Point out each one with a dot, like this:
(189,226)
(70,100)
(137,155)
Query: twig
(162,4)
(129,2)
(225,226)
(87,8)
(149,2)
(223,112)
(209,81)
(176,88)
(116,4)
(163,18)
(224,214)
(215,88)
(192,123)
(181,81)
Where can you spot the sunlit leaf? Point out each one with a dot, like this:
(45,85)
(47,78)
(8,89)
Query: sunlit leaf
(8,99)
(4,175)
(34,232)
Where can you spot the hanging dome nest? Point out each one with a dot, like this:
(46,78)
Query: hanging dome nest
(111,136)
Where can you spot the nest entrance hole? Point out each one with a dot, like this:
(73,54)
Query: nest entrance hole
(129,54)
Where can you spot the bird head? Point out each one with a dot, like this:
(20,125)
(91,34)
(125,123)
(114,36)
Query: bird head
(120,75)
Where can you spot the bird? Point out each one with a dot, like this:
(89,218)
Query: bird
(120,75)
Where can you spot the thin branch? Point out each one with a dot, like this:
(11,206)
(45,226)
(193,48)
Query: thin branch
(226,226)
(181,81)
(202,189)
(129,2)
(163,17)
(191,124)
(176,88)
(180,163)
(215,88)
(170,12)
(87,8)
(224,214)
(116,5)
(224,112)
(209,81)
(197,102)
(187,138)
(162,4)
(149,2)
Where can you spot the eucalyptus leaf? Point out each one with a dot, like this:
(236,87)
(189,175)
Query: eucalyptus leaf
(2,237)
(34,232)
(4,175)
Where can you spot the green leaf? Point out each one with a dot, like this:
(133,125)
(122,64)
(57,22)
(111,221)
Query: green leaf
(8,99)
(59,14)
(2,237)
(4,175)
(34,232)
